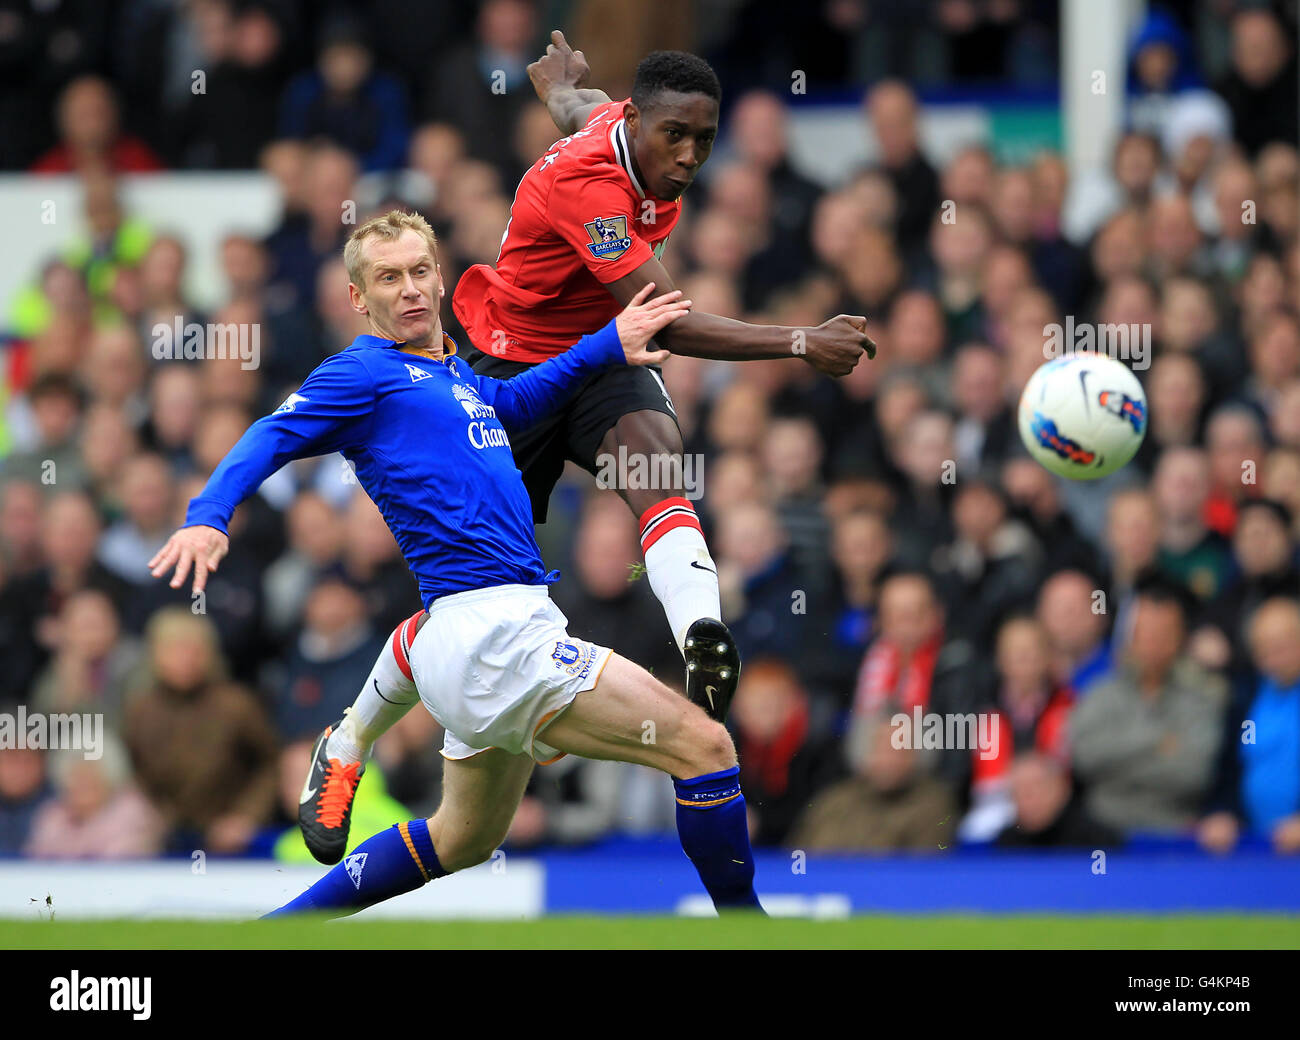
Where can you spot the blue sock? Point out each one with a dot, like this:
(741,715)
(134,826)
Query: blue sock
(715,836)
(400,859)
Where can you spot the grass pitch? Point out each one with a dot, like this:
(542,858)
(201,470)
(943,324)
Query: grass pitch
(940,931)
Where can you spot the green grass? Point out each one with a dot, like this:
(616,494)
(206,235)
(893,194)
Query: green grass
(1181,931)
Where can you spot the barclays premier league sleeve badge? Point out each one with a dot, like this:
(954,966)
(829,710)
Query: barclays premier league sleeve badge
(609,238)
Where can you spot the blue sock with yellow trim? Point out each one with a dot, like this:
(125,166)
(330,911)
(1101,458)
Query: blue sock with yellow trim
(715,836)
(400,859)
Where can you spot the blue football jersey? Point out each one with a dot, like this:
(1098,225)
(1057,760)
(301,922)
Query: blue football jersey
(429,443)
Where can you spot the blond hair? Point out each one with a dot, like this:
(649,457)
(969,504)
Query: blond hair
(388,226)
(179,623)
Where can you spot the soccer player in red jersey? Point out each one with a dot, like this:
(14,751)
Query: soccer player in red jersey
(587,230)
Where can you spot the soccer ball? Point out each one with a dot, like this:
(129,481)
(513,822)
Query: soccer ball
(1083,416)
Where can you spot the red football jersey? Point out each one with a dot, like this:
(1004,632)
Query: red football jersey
(580,219)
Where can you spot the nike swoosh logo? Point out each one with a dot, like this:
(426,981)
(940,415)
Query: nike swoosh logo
(696,564)
(309,792)
(709,691)
(1083,382)
(381,696)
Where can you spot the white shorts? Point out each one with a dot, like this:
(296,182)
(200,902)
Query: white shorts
(495,665)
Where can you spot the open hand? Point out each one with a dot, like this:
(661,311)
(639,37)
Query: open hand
(639,321)
(202,546)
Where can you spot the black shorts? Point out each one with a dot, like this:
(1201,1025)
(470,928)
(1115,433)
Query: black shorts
(576,430)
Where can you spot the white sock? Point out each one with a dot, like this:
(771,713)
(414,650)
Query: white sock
(388,694)
(677,562)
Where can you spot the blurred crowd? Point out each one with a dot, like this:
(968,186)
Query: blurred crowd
(884,544)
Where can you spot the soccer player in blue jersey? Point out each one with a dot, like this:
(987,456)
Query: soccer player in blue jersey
(493,663)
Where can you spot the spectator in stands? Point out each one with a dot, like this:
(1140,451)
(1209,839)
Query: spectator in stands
(960,246)
(1074,612)
(1034,497)
(115,372)
(107,441)
(1260,85)
(1257,787)
(21,504)
(1132,540)
(298,248)
(24,787)
(147,500)
(482,85)
(912,664)
(844,620)
(202,747)
(163,291)
(1274,362)
(923,451)
(96,811)
(1031,708)
(92,663)
(891,111)
(760,586)
(90,137)
(373,563)
(758,131)
(315,534)
(784,753)
(70,530)
(245,56)
(1189,324)
(1176,395)
(1234,190)
(985,432)
(1049,812)
(1190,553)
(1144,740)
(116,240)
(1235,443)
(53,459)
(1266,566)
(347,101)
(325,666)
(890,803)
(1161,64)
(991,567)
(791,457)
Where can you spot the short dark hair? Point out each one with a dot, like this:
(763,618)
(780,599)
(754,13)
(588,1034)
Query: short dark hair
(1281,513)
(676,71)
(1157,587)
(56,384)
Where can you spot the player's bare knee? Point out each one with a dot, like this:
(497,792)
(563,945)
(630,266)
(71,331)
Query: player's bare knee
(709,748)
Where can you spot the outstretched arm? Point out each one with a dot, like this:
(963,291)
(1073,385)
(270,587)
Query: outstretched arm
(329,411)
(833,347)
(559,77)
(527,398)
